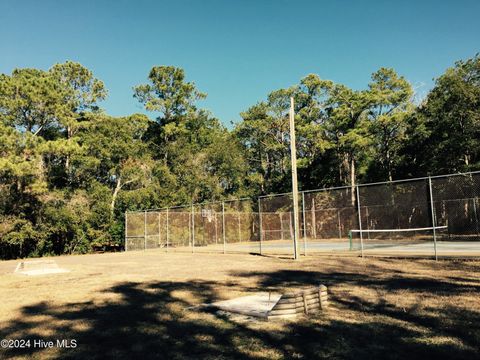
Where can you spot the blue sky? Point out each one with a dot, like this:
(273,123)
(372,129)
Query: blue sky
(239,51)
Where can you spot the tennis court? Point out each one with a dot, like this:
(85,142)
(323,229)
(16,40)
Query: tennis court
(388,218)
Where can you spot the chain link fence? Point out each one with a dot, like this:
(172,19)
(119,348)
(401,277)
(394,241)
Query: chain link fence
(432,216)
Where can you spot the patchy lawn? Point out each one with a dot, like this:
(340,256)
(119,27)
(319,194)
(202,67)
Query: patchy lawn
(139,305)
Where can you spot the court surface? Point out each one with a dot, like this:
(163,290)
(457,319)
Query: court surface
(342,246)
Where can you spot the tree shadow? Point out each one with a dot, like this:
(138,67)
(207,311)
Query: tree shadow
(157,320)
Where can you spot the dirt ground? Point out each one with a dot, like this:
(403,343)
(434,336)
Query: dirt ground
(142,305)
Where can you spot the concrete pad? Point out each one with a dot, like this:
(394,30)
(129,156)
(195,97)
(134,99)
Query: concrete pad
(38,267)
(257,305)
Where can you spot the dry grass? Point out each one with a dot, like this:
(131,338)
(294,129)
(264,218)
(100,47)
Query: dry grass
(135,305)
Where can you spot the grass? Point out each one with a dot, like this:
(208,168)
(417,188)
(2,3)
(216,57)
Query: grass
(138,305)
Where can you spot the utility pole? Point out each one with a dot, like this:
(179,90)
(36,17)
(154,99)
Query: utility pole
(293,152)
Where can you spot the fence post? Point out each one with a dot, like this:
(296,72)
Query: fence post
(339,225)
(216,228)
(314,220)
(260,225)
(359,220)
(223,227)
(126,232)
(304,226)
(239,228)
(281,226)
(167,228)
(159,229)
(433,217)
(145,230)
(192,212)
(475,214)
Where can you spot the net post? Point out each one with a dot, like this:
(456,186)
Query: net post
(260,224)
(359,219)
(223,227)
(167,227)
(350,239)
(304,225)
(126,232)
(433,217)
(145,230)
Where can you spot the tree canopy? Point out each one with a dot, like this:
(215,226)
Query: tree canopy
(69,171)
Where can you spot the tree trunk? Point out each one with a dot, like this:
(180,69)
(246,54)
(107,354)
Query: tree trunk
(115,194)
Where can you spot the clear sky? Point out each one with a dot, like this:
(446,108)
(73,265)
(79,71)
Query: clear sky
(239,51)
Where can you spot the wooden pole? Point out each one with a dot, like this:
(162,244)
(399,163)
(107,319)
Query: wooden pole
(293,152)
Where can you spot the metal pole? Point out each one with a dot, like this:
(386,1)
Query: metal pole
(145,230)
(223,227)
(475,214)
(359,220)
(293,152)
(281,225)
(304,226)
(126,232)
(339,225)
(167,228)
(260,224)
(193,229)
(314,220)
(433,218)
(216,229)
(239,228)
(159,231)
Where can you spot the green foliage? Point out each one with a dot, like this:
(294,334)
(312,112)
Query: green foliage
(68,171)
(444,132)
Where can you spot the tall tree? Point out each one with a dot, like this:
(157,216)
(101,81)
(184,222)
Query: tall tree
(391,104)
(444,133)
(347,127)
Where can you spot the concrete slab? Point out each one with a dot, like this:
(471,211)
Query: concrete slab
(38,267)
(257,305)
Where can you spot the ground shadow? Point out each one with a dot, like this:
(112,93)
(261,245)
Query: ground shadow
(159,320)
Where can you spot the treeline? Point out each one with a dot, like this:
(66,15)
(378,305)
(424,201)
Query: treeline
(69,171)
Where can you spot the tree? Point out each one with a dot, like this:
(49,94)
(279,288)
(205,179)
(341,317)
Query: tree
(115,153)
(391,105)
(347,127)
(30,99)
(80,91)
(444,133)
